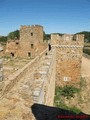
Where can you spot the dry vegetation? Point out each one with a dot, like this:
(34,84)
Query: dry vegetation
(81,99)
(11,65)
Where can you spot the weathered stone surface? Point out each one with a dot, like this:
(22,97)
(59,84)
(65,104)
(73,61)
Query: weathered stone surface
(32,83)
(30,44)
(69,50)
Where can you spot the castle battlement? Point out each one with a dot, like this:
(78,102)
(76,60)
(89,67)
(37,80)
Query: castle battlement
(69,50)
(32,26)
(67,39)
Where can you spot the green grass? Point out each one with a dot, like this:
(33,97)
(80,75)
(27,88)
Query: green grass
(65,92)
(86,51)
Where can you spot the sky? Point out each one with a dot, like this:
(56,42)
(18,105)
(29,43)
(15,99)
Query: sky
(56,16)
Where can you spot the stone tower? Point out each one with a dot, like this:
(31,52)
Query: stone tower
(69,49)
(30,37)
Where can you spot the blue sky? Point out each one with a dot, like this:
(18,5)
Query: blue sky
(62,16)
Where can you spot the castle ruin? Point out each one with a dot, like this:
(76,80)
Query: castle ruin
(36,81)
(69,49)
(30,43)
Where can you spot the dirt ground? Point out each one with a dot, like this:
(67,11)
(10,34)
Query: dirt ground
(85,71)
(82,100)
(12,65)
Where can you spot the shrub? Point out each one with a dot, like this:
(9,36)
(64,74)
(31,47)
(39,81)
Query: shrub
(68,92)
(87,51)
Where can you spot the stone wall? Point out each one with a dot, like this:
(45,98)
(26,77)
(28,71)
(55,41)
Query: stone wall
(15,78)
(69,49)
(30,38)
(68,67)
(12,46)
(55,39)
(44,82)
(39,87)
(30,44)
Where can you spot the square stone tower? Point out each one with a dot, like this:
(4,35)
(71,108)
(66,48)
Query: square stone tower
(30,38)
(69,49)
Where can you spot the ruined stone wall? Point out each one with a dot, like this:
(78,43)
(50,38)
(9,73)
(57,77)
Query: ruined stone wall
(30,44)
(39,87)
(14,79)
(68,59)
(13,46)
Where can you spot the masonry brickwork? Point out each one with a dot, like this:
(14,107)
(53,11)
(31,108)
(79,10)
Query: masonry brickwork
(30,43)
(69,49)
(30,38)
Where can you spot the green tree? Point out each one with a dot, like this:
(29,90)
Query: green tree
(3,39)
(14,35)
(46,36)
(86,50)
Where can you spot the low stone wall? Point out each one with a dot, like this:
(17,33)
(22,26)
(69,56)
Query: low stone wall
(15,78)
(44,81)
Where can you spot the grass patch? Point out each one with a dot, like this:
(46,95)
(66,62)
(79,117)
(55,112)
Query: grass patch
(86,51)
(65,92)
(75,109)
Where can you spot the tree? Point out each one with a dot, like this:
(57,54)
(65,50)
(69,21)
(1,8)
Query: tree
(14,35)
(3,39)
(46,36)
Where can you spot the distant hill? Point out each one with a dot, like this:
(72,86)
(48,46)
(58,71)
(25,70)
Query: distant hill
(3,39)
(11,35)
(86,35)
